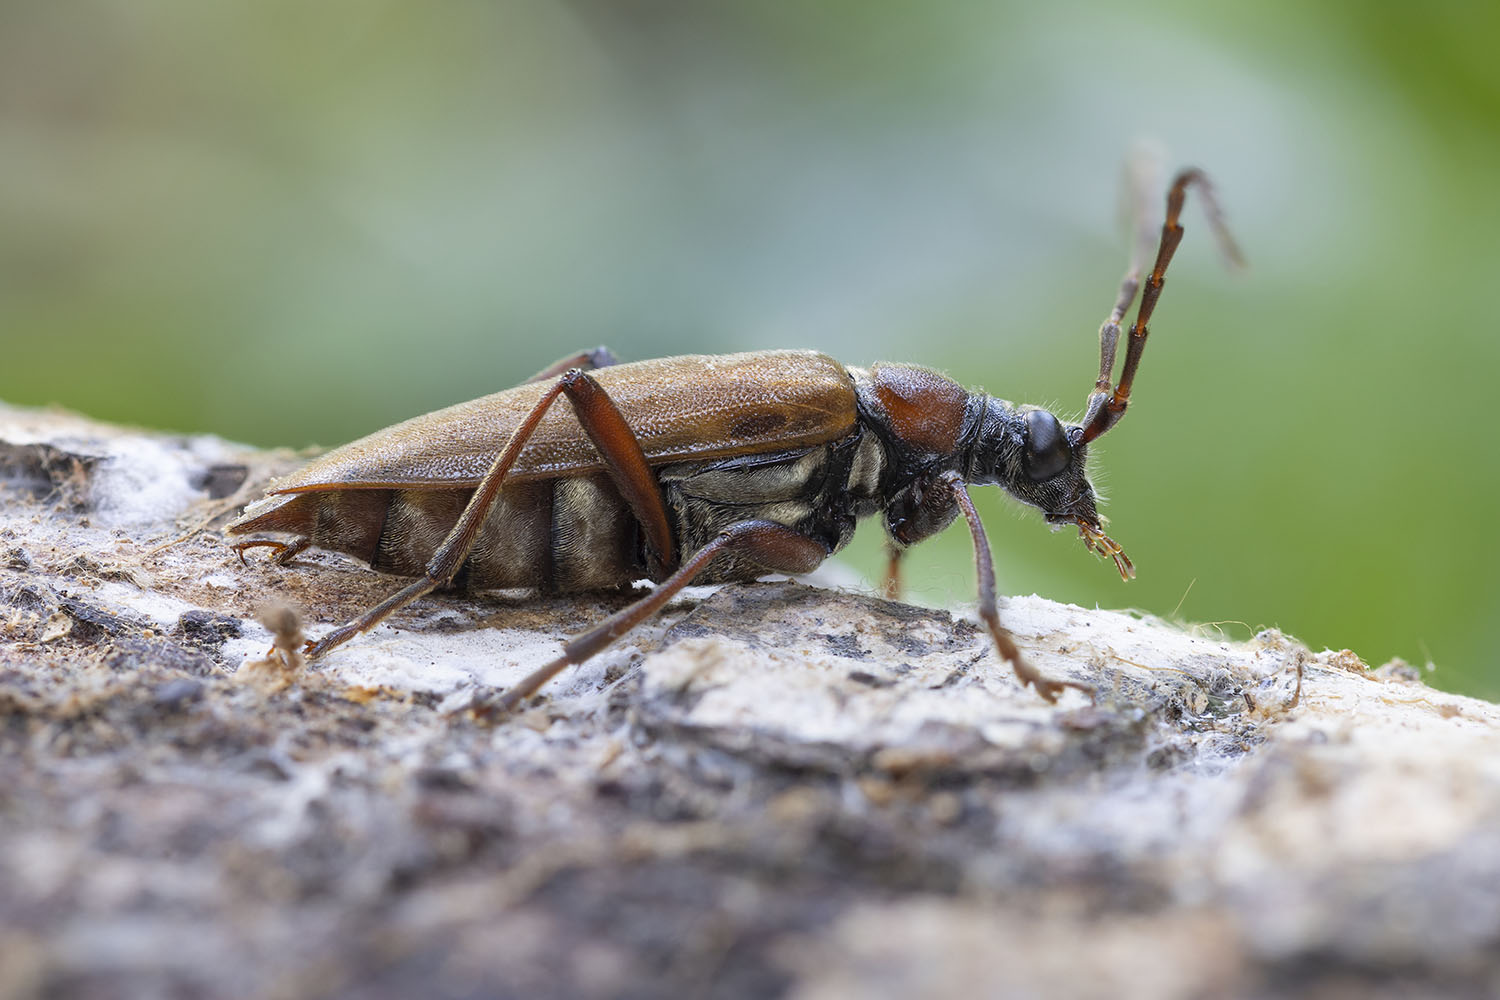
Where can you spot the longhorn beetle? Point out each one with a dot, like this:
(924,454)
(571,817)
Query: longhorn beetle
(706,468)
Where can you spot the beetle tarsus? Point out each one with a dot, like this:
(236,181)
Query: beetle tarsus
(284,554)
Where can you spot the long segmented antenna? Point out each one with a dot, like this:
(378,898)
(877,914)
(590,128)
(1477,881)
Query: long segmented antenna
(1141,180)
(1107,405)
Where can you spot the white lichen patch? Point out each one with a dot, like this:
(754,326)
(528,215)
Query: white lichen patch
(438,662)
(850,677)
(161,609)
(135,479)
(142,481)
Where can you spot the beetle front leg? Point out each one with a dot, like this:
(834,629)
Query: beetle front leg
(774,546)
(989,612)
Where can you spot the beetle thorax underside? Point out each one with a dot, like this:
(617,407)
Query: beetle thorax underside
(821,492)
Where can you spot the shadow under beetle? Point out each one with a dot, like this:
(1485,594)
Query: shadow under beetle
(703,468)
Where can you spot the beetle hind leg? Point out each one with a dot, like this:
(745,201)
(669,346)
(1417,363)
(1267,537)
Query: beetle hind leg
(624,462)
(775,547)
(599,357)
(285,551)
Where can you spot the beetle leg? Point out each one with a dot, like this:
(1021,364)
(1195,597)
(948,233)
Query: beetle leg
(599,357)
(371,618)
(989,613)
(627,465)
(775,546)
(285,551)
(891,589)
(623,457)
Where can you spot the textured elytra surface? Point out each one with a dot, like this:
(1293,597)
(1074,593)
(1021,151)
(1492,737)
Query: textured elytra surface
(692,406)
(773,790)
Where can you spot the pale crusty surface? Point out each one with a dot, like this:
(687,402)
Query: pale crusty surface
(692,406)
(773,790)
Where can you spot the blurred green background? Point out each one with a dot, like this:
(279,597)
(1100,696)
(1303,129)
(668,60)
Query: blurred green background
(292,223)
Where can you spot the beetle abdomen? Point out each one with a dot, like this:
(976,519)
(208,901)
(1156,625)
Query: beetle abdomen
(341,520)
(564,535)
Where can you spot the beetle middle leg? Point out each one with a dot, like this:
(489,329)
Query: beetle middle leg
(891,588)
(775,547)
(623,458)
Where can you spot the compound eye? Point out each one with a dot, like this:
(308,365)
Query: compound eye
(1047,450)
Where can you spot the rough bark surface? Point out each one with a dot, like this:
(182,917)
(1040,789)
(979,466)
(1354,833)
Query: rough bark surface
(772,790)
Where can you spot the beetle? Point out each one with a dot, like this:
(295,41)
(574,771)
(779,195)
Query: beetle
(707,468)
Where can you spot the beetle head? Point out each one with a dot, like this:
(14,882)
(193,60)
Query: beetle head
(1041,461)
